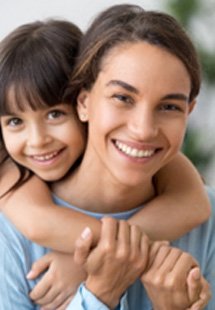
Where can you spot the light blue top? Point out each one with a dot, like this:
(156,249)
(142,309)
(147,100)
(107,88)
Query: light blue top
(17,255)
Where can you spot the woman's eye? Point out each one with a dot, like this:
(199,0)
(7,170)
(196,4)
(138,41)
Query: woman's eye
(55,114)
(170,107)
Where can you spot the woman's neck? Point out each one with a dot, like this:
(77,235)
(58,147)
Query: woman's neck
(91,189)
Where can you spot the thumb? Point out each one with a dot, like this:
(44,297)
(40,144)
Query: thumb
(82,246)
(194,284)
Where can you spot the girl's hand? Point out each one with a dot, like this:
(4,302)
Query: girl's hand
(116,262)
(173,280)
(59,283)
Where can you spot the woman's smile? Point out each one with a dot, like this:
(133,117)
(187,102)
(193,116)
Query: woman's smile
(137,112)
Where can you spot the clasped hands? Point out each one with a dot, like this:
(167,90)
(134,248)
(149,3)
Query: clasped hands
(171,277)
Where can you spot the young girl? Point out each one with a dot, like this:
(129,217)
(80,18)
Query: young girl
(35,126)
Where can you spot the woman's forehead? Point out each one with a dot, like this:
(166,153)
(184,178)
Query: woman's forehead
(141,63)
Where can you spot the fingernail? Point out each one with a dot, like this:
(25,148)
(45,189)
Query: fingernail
(197,274)
(30,274)
(86,233)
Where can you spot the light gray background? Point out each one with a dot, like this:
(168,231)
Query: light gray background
(16,12)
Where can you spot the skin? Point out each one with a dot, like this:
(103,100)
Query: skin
(154,120)
(166,145)
(41,140)
(126,111)
(164,277)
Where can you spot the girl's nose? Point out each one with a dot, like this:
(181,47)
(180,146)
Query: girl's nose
(38,136)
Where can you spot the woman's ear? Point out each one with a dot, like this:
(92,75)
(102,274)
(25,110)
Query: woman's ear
(82,105)
(192,105)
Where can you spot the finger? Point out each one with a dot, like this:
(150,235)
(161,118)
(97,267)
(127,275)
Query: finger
(160,257)
(38,267)
(204,297)
(109,231)
(135,240)
(154,248)
(53,300)
(194,285)
(206,289)
(65,304)
(183,264)
(41,288)
(82,246)
(144,250)
(201,303)
(123,239)
(170,260)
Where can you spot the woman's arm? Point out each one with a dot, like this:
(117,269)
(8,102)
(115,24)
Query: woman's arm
(181,204)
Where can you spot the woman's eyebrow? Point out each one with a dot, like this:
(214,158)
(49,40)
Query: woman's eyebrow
(130,88)
(176,96)
(124,85)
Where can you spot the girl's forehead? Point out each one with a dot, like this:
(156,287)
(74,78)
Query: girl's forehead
(20,98)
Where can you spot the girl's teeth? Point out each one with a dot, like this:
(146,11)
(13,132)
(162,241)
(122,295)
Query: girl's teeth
(134,152)
(45,157)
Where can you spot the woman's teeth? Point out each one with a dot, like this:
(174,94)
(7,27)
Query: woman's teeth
(134,152)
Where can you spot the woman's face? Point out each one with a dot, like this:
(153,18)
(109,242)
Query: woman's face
(47,141)
(137,111)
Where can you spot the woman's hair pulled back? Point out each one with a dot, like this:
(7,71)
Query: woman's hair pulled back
(121,24)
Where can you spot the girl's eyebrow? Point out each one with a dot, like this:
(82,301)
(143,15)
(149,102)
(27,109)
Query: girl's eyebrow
(124,85)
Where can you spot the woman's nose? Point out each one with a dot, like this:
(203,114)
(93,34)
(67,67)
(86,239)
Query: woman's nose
(143,125)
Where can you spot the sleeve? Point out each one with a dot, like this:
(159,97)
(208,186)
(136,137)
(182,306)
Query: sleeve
(209,263)
(85,300)
(14,287)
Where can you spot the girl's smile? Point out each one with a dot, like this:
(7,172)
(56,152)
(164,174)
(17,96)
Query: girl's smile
(47,141)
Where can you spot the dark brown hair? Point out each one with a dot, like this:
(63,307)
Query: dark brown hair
(36,60)
(130,23)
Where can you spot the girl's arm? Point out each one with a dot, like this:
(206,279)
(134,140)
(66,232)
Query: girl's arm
(181,205)
(31,209)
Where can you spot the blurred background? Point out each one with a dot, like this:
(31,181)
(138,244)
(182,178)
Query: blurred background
(197,16)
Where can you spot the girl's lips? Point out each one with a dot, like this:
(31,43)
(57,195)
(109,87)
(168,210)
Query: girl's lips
(47,157)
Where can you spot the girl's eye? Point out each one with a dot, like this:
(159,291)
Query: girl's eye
(14,122)
(55,114)
(123,98)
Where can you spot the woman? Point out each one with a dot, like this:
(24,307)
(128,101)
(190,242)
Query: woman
(135,82)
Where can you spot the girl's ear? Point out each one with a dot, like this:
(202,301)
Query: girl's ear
(192,105)
(82,105)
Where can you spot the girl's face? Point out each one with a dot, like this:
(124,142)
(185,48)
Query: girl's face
(137,111)
(47,141)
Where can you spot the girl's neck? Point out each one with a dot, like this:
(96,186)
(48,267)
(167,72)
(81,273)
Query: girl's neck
(97,191)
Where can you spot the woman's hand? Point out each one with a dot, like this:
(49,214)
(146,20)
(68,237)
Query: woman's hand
(59,283)
(173,280)
(116,262)
(205,293)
